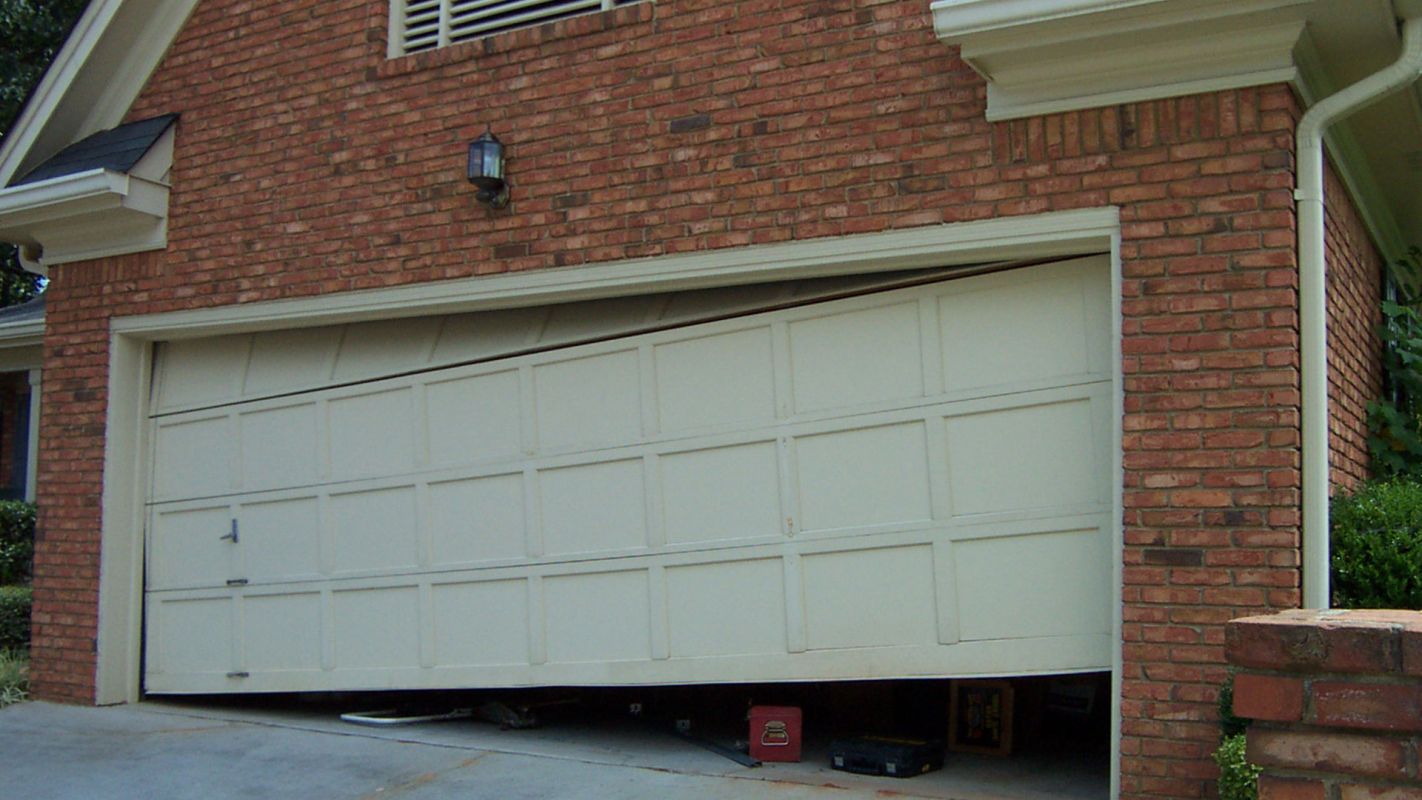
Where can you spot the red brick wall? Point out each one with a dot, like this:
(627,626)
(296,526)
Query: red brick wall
(1355,281)
(1337,703)
(307,163)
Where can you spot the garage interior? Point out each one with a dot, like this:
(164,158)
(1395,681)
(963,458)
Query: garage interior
(1059,746)
(831,493)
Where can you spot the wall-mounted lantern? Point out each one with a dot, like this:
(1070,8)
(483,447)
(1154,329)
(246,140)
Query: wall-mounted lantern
(486,170)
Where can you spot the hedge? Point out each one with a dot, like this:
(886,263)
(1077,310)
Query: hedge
(17,541)
(1377,546)
(14,616)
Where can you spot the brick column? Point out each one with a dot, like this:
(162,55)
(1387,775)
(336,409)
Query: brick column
(1337,701)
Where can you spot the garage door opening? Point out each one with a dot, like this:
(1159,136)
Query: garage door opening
(1057,743)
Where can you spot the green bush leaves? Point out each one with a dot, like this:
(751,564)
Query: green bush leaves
(14,616)
(1377,546)
(1239,779)
(17,541)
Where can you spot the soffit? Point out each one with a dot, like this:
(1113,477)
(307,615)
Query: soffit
(1046,56)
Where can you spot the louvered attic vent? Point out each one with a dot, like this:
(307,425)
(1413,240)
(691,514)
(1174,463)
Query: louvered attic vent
(427,24)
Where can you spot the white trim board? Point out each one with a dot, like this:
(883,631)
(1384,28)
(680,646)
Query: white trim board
(130,353)
(1064,233)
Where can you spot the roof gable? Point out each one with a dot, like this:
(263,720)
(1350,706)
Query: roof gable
(94,80)
(117,149)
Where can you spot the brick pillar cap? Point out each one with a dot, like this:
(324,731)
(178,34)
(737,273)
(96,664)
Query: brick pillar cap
(1374,642)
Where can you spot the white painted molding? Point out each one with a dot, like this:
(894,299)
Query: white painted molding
(85,215)
(36,377)
(118,675)
(1042,56)
(1062,233)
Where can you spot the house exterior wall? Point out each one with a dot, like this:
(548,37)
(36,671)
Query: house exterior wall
(307,163)
(1355,285)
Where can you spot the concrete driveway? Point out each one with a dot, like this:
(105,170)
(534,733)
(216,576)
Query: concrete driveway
(153,751)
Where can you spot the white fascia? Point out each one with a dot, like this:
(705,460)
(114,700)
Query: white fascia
(1048,56)
(85,215)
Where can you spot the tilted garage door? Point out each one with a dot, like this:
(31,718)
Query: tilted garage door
(907,482)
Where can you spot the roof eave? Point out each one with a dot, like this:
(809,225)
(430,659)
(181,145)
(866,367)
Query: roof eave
(94,79)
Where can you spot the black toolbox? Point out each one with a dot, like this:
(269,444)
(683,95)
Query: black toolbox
(882,755)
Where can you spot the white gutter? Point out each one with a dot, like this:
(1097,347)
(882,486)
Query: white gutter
(1313,308)
(66,195)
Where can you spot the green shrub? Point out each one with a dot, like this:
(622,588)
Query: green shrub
(17,541)
(1239,779)
(1377,546)
(1230,725)
(14,616)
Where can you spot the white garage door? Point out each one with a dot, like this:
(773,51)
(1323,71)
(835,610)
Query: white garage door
(910,482)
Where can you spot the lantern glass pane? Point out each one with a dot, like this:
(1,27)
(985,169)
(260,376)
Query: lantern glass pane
(492,160)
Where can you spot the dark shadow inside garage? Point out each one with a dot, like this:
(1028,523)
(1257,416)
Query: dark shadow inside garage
(1056,745)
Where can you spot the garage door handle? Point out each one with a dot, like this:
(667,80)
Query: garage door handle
(232,534)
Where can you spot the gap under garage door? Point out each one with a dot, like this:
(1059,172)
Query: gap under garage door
(908,482)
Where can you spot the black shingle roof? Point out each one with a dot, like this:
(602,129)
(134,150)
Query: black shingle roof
(117,149)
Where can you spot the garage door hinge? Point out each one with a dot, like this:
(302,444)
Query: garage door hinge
(236,581)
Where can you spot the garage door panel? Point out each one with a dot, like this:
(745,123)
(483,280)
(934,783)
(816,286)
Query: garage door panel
(725,609)
(281,632)
(196,632)
(477,520)
(1040,456)
(1054,320)
(194,457)
(282,360)
(715,380)
(857,357)
(476,336)
(614,628)
(186,548)
(863,477)
(372,349)
(870,598)
(1046,584)
(818,485)
(721,493)
(593,508)
(376,627)
(281,539)
(371,434)
(474,419)
(589,402)
(279,447)
(203,371)
(374,530)
(481,623)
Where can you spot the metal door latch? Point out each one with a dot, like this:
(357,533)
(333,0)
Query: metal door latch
(232,534)
(239,674)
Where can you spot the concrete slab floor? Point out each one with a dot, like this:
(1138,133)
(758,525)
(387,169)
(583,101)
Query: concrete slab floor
(159,750)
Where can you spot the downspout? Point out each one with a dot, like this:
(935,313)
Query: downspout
(1313,309)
